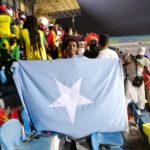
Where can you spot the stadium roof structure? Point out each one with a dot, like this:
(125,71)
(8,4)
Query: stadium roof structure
(57,8)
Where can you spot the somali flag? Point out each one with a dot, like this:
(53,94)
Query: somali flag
(75,97)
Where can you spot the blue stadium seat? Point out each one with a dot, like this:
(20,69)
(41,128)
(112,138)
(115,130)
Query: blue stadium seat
(113,139)
(26,122)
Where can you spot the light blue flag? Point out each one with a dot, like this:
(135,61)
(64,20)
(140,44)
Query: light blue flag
(75,97)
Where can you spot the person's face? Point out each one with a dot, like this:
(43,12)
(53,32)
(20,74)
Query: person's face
(70,32)
(72,49)
(56,26)
(81,48)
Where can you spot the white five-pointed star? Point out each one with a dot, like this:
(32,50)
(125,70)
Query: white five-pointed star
(70,98)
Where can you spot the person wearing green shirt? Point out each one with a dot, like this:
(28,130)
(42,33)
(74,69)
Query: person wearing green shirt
(14,49)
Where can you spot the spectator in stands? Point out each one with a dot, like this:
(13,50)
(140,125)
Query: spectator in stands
(82,45)
(75,33)
(105,52)
(67,34)
(22,19)
(146,76)
(59,32)
(71,48)
(5,25)
(5,58)
(51,40)
(92,49)
(5,64)
(33,40)
(14,48)
(9,11)
(16,28)
(135,67)
(43,24)
(81,48)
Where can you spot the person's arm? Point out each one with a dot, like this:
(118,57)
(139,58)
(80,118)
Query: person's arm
(22,47)
(148,81)
(16,53)
(147,71)
(45,42)
(147,67)
(49,38)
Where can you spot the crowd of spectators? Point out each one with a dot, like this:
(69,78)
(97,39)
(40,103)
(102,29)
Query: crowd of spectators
(29,38)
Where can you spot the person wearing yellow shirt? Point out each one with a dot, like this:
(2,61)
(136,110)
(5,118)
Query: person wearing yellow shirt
(16,28)
(5,23)
(33,40)
(5,26)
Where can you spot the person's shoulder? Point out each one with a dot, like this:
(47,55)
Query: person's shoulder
(81,56)
(112,52)
(147,60)
(24,30)
(5,16)
(40,31)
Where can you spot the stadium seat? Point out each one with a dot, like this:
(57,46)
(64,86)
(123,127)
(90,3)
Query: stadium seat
(10,138)
(112,139)
(10,134)
(141,116)
(26,123)
(31,134)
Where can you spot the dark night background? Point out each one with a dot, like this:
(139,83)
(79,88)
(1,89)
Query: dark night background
(114,17)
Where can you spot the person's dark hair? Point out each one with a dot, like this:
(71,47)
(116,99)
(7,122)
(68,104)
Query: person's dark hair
(92,53)
(93,44)
(67,29)
(104,40)
(71,39)
(12,40)
(31,24)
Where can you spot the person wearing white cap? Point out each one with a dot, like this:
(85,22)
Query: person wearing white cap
(22,16)
(134,72)
(141,51)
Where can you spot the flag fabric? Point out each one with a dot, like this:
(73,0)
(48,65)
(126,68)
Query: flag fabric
(74,97)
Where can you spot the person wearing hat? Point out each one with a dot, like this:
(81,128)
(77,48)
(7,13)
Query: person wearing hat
(9,11)
(22,19)
(92,49)
(134,85)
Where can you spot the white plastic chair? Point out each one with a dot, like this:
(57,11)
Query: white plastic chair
(10,134)
(10,138)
